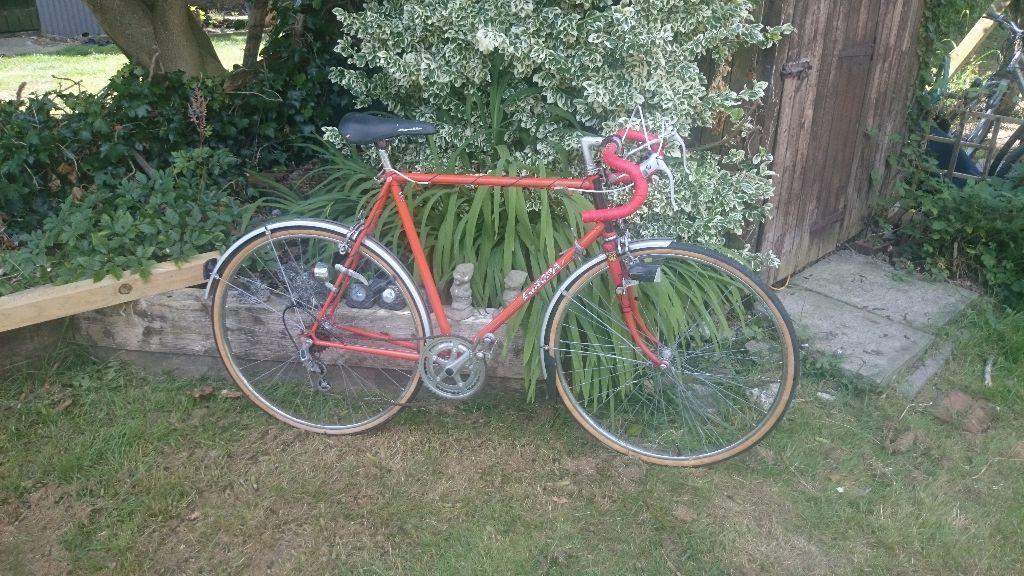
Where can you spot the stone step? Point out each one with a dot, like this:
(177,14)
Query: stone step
(879,320)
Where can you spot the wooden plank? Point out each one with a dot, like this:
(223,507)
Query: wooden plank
(50,302)
(845,134)
(982,30)
(26,347)
(891,88)
(795,145)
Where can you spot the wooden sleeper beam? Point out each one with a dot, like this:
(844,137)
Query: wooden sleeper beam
(50,302)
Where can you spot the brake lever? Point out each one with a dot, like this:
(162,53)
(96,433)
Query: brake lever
(655,164)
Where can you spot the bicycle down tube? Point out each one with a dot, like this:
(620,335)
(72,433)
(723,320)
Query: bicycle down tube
(392,190)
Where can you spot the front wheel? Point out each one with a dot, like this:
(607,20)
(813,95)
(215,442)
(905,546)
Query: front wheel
(727,350)
(1010,161)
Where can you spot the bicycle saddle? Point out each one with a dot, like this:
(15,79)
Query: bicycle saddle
(359,128)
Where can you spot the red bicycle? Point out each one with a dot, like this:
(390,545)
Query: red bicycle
(663,351)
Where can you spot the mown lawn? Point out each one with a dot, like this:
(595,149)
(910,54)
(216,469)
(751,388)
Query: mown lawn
(90,65)
(107,471)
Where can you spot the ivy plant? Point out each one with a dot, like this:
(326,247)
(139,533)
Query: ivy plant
(170,215)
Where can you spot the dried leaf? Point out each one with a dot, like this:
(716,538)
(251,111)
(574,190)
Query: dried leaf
(226,393)
(201,392)
(78,193)
(64,404)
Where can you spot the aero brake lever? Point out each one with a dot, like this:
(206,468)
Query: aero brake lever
(656,165)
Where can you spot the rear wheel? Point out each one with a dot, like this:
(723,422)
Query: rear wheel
(728,346)
(265,302)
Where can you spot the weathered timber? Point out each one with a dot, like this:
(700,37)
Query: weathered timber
(833,126)
(50,302)
(25,348)
(178,323)
(982,30)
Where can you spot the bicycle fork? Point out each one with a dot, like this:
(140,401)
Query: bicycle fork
(629,305)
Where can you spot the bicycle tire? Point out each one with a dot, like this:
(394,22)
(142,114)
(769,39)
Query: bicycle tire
(1010,162)
(1010,155)
(689,414)
(265,295)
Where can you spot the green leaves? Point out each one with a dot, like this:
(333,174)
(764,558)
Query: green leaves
(977,231)
(170,216)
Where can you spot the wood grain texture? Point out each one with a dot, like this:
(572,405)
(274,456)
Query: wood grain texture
(50,302)
(178,323)
(833,129)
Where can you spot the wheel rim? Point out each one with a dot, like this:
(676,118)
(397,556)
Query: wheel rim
(268,296)
(729,351)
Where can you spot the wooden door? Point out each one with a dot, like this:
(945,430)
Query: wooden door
(841,90)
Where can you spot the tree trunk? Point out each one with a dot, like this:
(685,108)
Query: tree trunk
(254,35)
(161,35)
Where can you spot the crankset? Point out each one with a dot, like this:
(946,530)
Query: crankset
(452,368)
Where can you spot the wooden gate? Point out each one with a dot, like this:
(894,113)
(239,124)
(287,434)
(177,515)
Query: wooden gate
(18,16)
(840,91)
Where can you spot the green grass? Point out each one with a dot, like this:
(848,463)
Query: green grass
(90,65)
(138,476)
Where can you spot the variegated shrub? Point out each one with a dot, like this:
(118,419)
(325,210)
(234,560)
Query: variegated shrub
(531,75)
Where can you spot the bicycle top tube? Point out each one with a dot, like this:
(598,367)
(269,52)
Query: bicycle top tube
(622,171)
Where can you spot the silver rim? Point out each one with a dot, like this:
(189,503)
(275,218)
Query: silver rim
(272,295)
(729,372)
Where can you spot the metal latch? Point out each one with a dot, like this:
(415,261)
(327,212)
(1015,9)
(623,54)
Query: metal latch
(798,69)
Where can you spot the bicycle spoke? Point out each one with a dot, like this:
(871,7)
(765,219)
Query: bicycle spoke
(724,344)
(327,389)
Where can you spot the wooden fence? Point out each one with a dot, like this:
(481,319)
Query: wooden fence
(840,89)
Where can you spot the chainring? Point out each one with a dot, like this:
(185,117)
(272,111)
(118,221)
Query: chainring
(451,369)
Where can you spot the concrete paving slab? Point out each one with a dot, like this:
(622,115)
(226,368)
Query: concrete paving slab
(874,286)
(869,344)
(928,369)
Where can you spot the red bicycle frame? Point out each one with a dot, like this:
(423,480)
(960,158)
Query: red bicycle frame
(392,191)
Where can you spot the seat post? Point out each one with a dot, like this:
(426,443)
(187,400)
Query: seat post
(382,151)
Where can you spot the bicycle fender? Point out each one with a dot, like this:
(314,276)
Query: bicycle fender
(336,227)
(560,292)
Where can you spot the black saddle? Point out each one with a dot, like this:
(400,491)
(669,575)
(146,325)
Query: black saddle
(359,128)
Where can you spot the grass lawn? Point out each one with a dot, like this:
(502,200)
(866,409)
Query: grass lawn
(91,65)
(107,471)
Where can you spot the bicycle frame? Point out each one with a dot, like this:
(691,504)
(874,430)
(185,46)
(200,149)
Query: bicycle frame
(391,191)
(1011,71)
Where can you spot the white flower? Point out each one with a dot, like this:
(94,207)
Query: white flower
(487,40)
